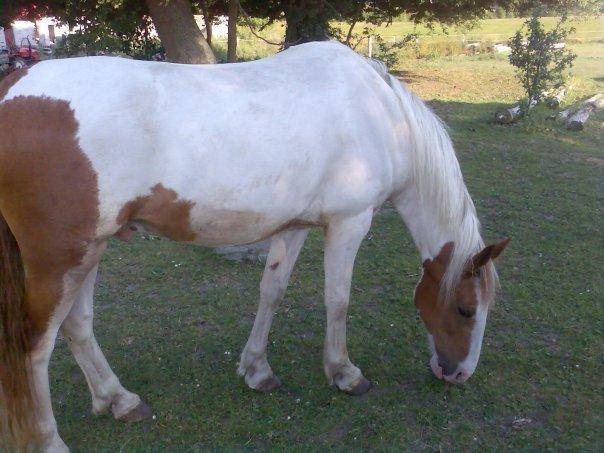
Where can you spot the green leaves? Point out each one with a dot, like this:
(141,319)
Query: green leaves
(540,57)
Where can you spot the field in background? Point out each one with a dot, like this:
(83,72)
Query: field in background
(173,318)
(494,29)
(431,43)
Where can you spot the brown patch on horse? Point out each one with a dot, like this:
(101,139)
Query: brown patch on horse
(126,232)
(298,224)
(162,211)
(7,82)
(275,265)
(451,321)
(451,331)
(48,196)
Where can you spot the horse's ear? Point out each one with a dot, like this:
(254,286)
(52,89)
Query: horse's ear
(499,247)
(434,269)
(438,266)
(490,252)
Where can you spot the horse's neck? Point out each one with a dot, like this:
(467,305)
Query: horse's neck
(424,224)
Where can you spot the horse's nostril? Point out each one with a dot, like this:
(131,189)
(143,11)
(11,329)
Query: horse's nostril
(459,376)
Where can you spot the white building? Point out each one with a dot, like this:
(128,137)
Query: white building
(44,32)
(220,27)
(2,39)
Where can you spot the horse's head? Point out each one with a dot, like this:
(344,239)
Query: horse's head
(456,322)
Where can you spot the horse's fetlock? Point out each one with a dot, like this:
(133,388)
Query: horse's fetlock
(123,403)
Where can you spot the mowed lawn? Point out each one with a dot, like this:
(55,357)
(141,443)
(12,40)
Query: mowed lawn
(493,30)
(172,319)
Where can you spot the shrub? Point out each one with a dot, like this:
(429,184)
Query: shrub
(389,52)
(540,63)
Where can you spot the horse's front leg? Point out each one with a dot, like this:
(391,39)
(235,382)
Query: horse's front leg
(342,241)
(282,256)
(106,389)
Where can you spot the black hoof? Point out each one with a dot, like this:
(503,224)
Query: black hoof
(139,413)
(269,384)
(360,387)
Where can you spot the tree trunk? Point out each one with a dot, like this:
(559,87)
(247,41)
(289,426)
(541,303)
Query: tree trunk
(232,44)
(577,121)
(579,118)
(179,34)
(553,101)
(208,20)
(306,20)
(508,116)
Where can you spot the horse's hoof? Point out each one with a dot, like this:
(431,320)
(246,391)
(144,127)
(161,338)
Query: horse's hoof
(139,413)
(359,388)
(269,384)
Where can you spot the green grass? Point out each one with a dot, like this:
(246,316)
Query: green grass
(173,333)
(591,28)
(494,29)
(432,42)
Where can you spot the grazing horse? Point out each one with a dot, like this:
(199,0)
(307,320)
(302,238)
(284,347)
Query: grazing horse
(316,136)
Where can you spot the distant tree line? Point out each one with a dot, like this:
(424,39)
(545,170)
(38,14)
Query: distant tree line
(127,23)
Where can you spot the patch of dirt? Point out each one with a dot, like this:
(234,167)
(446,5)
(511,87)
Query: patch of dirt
(377,391)
(597,161)
(336,434)
(76,376)
(371,304)
(552,341)
(200,324)
(517,423)
(306,335)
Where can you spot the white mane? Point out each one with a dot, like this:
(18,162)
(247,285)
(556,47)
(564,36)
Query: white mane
(438,179)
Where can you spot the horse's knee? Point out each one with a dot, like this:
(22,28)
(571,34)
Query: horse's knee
(77,329)
(272,290)
(337,309)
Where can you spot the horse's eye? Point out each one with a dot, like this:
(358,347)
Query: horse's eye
(466,313)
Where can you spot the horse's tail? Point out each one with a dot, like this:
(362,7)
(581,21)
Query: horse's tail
(17,425)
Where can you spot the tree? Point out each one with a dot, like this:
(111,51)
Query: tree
(232,38)
(123,21)
(181,37)
(309,20)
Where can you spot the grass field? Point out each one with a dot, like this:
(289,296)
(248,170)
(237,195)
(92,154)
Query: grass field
(490,31)
(496,29)
(173,319)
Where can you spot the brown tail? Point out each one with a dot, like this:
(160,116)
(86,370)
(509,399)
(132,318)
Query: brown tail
(17,426)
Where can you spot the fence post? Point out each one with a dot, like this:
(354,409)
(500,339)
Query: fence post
(370,46)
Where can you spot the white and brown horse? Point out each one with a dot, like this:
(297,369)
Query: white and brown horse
(316,136)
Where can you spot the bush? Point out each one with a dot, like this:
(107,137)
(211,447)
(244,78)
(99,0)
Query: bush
(100,39)
(389,52)
(540,64)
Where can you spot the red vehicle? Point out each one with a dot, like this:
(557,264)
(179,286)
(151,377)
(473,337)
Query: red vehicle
(18,57)
(24,55)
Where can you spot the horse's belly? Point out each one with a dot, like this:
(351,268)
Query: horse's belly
(229,228)
(167,212)
(224,227)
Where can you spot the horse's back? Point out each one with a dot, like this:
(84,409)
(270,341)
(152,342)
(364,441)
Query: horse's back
(279,139)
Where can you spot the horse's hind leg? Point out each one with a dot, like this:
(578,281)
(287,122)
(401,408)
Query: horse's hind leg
(342,240)
(38,285)
(282,256)
(106,389)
